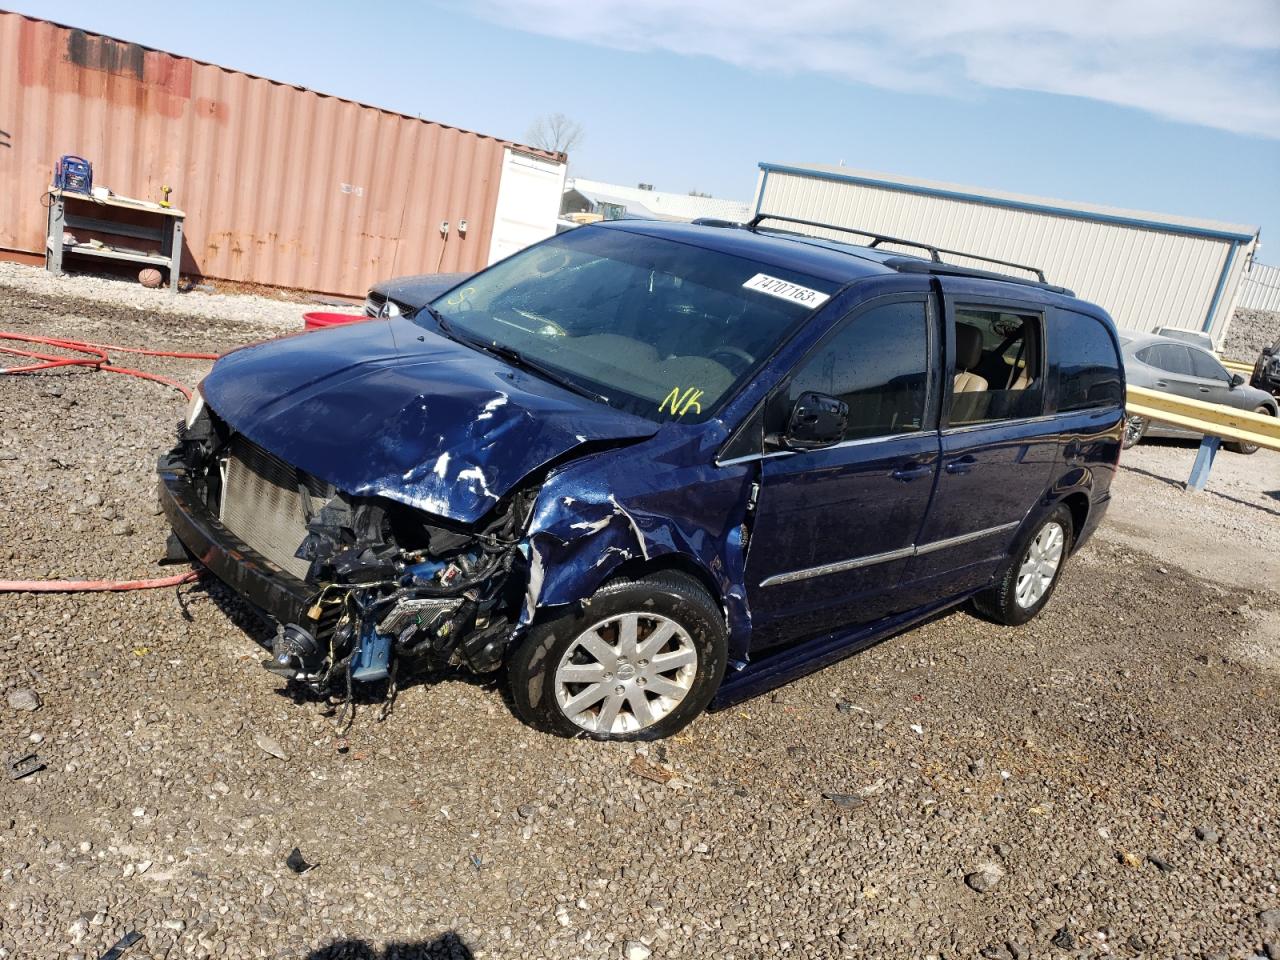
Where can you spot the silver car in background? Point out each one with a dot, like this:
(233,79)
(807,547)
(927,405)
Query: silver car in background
(1186,370)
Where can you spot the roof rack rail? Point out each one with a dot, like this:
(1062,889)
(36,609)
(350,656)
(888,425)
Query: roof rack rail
(915,265)
(935,253)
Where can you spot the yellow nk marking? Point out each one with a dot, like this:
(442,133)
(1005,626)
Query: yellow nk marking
(681,401)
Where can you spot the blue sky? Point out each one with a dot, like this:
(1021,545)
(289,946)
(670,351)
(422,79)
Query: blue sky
(1165,105)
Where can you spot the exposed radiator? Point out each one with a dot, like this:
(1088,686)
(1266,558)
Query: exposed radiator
(262,505)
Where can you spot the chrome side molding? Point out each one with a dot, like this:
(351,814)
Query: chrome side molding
(874,558)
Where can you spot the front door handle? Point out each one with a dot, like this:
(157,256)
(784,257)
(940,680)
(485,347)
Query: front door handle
(911,471)
(1204,390)
(962,464)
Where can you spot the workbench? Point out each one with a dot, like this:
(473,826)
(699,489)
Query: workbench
(89,213)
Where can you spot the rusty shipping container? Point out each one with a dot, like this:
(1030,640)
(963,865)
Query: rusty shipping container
(281,185)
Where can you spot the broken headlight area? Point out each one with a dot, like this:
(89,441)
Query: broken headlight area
(398,587)
(393,586)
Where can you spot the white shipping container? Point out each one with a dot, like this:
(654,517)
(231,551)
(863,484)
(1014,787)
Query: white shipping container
(1148,270)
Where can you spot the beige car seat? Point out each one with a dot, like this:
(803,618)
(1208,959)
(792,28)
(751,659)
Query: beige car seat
(968,356)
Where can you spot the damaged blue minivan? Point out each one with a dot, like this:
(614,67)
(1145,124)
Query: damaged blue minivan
(641,467)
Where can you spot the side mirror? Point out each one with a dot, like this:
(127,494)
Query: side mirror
(817,420)
(1236,380)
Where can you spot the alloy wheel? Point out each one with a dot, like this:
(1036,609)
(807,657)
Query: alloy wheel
(626,673)
(1040,564)
(1133,427)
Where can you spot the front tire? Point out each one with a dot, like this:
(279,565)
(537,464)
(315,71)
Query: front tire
(1248,449)
(1031,574)
(638,661)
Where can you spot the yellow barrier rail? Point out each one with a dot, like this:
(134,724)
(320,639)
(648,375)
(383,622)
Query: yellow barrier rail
(1211,419)
(1238,366)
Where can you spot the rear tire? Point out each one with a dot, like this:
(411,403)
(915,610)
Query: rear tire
(1248,449)
(638,661)
(1030,575)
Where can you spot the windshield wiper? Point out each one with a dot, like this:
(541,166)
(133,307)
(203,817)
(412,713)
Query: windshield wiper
(518,359)
(512,356)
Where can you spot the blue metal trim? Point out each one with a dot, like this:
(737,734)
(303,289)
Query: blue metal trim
(1204,463)
(1222,284)
(1010,204)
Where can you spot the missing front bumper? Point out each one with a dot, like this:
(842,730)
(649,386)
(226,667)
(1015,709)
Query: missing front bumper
(249,574)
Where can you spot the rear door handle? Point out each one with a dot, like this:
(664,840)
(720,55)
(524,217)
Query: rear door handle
(962,464)
(911,471)
(1161,383)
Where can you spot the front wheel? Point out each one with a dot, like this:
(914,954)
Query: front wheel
(1248,449)
(638,661)
(1030,575)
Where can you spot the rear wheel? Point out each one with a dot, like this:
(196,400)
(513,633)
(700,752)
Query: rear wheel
(1031,573)
(1134,428)
(1239,446)
(638,661)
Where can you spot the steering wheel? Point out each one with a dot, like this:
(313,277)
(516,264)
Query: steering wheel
(743,359)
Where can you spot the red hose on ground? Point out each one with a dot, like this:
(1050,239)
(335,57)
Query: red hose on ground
(95,358)
(90,586)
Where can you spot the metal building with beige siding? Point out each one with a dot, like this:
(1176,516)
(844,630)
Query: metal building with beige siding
(1148,270)
(1261,288)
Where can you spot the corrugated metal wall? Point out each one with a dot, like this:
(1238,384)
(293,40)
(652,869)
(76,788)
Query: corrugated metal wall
(1260,288)
(1144,278)
(281,185)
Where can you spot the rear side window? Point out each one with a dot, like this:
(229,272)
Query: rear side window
(1169,357)
(996,371)
(1088,366)
(877,363)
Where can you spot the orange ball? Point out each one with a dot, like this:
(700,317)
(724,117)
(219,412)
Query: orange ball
(150,277)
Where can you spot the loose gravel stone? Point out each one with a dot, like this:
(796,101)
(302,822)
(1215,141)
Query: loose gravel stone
(271,746)
(985,877)
(25,699)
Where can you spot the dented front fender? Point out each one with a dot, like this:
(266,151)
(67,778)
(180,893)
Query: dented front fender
(663,503)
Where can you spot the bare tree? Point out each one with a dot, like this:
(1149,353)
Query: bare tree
(554,132)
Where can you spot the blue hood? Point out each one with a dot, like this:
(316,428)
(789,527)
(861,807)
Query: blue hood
(390,409)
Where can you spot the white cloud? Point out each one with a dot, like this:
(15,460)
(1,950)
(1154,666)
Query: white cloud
(1216,64)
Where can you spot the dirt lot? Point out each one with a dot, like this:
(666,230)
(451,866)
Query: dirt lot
(1107,775)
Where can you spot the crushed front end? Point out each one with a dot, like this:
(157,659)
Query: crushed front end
(356,585)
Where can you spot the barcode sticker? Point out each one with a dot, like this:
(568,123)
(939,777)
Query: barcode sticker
(785,290)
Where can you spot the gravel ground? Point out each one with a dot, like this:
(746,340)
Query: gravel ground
(1227,533)
(1250,331)
(91,293)
(1102,782)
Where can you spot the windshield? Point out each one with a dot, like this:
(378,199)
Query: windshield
(653,327)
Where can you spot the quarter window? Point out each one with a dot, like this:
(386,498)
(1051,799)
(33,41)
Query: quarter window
(996,371)
(1207,368)
(878,364)
(1088,367)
